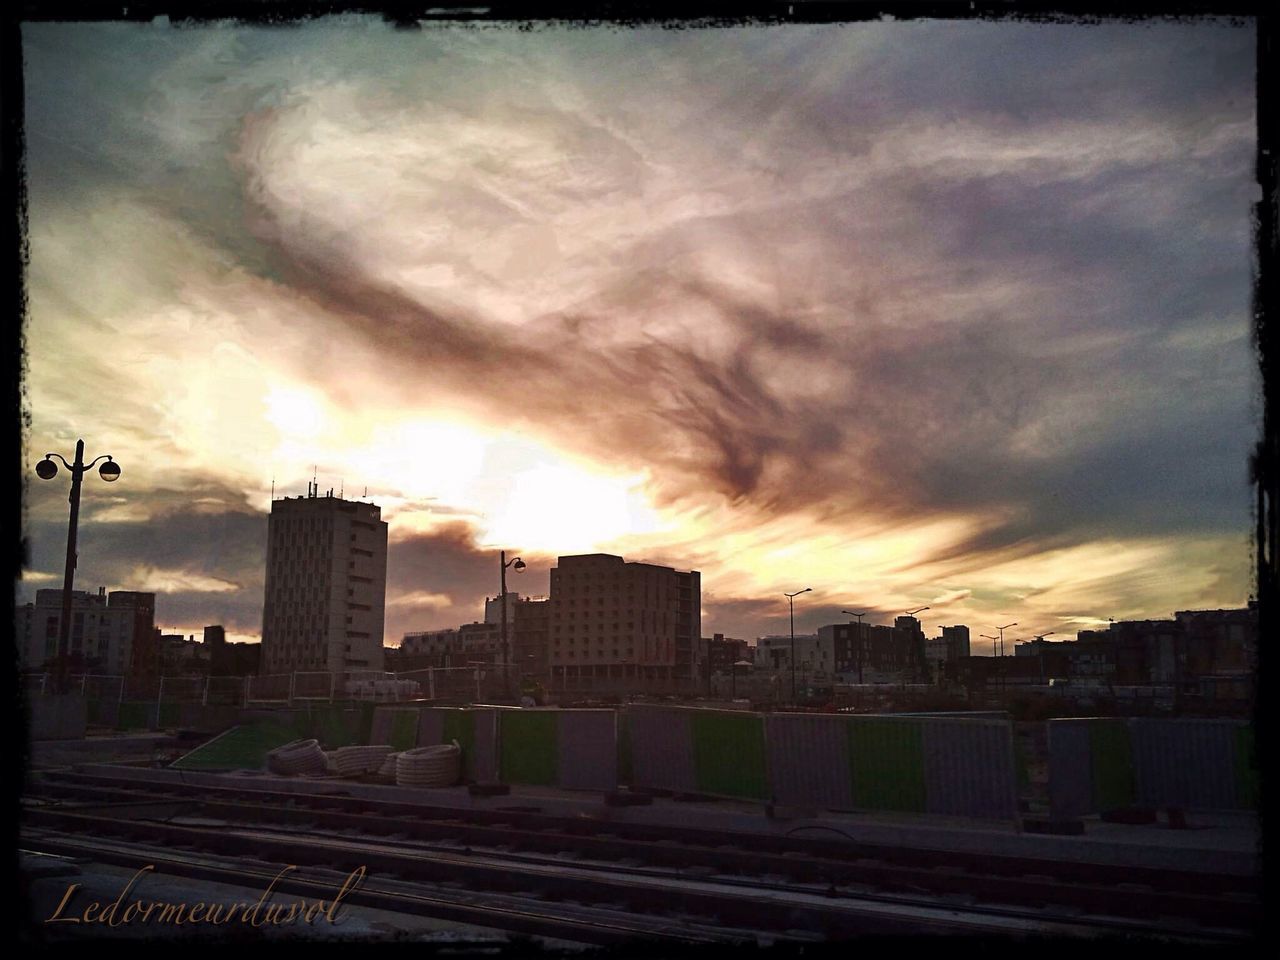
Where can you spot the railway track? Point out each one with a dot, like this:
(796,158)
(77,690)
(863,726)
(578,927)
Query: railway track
(718,886)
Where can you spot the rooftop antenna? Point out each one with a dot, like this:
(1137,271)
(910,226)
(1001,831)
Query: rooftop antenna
(273,486)
(314,489)
(366,491)
(341,487)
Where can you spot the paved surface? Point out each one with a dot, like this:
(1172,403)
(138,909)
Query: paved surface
(1228,843)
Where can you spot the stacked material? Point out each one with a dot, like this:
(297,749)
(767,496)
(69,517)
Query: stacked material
(387,771)
(437,766)
(359,760)
(298,757)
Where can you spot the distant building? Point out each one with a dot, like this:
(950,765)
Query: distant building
(874,653)
(610,617)
(814,653)
(110,633)
(182,655)
(326,585)
(723,652)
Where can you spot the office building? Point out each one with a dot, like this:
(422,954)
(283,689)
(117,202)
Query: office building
(326,585)
(110,633)
(610,617)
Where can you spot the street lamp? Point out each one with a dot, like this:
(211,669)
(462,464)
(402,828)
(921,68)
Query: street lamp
(46,469)
(862,637)
(1002,630)
(792,598)
(502,599)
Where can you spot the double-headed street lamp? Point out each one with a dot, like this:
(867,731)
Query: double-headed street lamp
(861,637)
(46,469)
(1002,630)
(502,599)
(792,598)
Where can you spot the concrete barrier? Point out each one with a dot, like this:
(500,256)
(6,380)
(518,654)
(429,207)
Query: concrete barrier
(572,749)
(691,750)
(475,730)
(397,726)
(929,764)
(1098,764)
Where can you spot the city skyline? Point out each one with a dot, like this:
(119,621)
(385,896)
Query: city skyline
(944,314)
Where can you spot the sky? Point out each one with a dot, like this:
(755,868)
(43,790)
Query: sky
(917,314)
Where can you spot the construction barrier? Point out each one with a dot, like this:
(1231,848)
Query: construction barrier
(688,750)
(1102,764)
(475,730)
(572,749)
(397,726)
(947,766)
(338,726)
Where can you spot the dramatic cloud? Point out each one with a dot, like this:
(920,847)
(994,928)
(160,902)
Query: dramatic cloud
(881,309)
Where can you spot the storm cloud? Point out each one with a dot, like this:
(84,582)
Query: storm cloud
(839,282)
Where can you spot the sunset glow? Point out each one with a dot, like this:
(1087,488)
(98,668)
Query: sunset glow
(945,314)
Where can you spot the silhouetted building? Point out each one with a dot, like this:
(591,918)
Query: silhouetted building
(531,652)
(110,633)
(326,585)
(723,652)
(609,616)
(946,649)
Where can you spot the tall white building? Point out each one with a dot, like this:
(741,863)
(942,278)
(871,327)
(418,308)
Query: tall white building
(326,585)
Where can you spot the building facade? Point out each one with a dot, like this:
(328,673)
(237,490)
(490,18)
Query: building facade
(608,615)
(110,633)
(325,587)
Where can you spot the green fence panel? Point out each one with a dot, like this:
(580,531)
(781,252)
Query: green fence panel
(1021,765)
(134,715)
(729,754)
(1111,764)
(337,726)
(528,747)
(1246,766)
(170,715)
(886,760)
(404,730)
(364,723)
(93,712)
(241,748)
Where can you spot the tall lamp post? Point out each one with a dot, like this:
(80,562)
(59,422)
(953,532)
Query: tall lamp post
(1002,630)
(502,599)
(861,637)
(792,598)
(46,469)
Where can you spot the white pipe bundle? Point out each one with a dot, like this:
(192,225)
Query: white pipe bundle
(298,757)
(438,766)
(358,760)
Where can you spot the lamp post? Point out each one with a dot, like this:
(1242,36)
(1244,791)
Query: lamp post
(792,598)
(1002,630)
(861,637)
(502,599)
(46,469)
